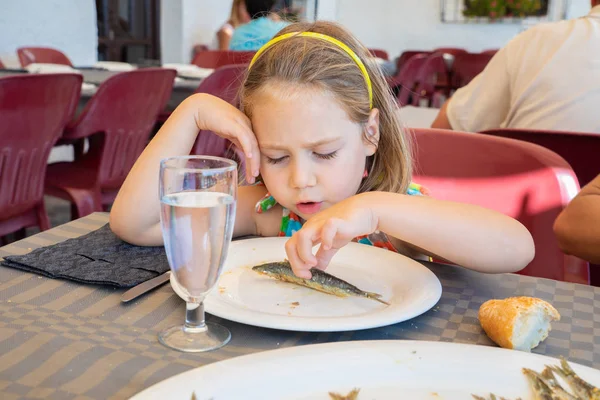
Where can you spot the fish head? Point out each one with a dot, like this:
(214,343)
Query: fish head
(271,268)
(265,269)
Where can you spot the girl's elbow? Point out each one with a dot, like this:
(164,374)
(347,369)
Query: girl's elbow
(524,249)
(117,226)
(122,229)
(135,234)
(519,251)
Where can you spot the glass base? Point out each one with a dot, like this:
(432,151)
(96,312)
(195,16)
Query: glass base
(195,340)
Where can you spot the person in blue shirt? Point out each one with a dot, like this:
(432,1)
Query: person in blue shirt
(262,27)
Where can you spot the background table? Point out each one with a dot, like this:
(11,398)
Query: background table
(418,117)
(182,87)
(64,340)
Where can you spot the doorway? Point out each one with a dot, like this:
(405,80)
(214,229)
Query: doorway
(128,31)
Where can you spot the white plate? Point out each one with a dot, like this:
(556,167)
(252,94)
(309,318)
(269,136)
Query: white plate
(245,296)
(381,369)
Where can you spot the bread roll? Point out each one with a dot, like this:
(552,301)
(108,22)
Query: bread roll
(519,323)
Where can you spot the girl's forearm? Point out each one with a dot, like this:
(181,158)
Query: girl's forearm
(465,234)
(135,213)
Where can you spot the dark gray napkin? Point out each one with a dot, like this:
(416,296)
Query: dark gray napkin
(99,257)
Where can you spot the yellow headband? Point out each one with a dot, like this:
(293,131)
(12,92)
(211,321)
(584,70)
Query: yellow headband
(329,39)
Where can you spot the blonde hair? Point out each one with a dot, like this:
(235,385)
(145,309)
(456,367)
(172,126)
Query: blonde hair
(324,65)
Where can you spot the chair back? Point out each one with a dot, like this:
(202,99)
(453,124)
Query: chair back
(118,120)
(431,78)
(218,58)
(525,181)
(379,53)
(224,83)
(407,55)
(579,149)
(198,48)
(467,66)
(34,110)
(407,78)
(30,55)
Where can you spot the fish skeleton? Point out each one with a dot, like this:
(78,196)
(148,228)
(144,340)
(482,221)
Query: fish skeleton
(546,386)
(581,388)
(321,281)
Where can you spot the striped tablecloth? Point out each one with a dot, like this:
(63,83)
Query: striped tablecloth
(63,340)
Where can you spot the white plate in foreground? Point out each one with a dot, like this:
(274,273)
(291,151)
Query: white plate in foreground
(381,369)
(245,296)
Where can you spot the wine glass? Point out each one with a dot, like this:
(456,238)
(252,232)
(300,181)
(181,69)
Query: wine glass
(198,201)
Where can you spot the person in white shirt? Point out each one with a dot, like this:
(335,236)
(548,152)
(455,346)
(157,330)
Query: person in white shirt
(547,77)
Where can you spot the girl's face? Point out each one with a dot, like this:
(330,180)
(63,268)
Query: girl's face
(312,154)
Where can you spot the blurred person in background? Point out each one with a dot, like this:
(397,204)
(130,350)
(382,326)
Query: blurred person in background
(263,26)
(239,16)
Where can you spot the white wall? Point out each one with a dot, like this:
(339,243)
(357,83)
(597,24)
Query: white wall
(68,25)
(171,33)
(186,23)
(400,25)
(201,20)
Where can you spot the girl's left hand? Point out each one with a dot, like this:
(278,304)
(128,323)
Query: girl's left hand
(333,228)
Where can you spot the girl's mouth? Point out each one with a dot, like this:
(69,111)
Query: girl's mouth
(309,207)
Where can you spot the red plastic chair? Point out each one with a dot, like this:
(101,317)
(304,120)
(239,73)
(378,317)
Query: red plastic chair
(467,66)
(433,81)
(29,55)
(580,150)
(450,50)
(198,48)
(407,55)
(34,110)
(406,79)
(419,79)
(522,180)
(118,121)
(379,53)
(224,83)
(218,58)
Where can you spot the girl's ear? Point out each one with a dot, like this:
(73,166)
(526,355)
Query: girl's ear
(372,133)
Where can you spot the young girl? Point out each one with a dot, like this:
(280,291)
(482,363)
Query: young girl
(320,125)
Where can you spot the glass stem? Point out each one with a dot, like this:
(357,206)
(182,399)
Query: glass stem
(194,316)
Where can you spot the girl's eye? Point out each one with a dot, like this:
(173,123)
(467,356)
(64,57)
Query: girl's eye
(327,156)
(275,160)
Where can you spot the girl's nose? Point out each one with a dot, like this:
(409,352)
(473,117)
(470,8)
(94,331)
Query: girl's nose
(302,175)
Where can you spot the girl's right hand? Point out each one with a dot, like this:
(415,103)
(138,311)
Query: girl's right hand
(230,123)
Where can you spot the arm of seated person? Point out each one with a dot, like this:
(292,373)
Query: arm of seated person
(577,228)
(441,121)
